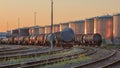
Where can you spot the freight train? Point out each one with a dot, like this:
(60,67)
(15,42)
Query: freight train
(65,38)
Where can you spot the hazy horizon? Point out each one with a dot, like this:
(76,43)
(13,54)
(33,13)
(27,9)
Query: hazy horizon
(64,11)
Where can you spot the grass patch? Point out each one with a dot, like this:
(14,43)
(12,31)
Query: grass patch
(68,62)
(36,57)
(107,46)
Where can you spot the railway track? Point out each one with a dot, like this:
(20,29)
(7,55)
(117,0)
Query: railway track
(50,59)
(28,54)
(4,48)
(115,63)
(108,61)
(75,61)
(21,50)
(55,59)
(59,59)
(99,63)
(12,49)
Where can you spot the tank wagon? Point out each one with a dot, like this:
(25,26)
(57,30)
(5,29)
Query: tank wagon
(79,39)
(66,39)
(88,39)
(40,39)
(26,40)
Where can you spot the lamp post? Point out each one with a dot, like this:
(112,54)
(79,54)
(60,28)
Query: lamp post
(34,28)
(51,40)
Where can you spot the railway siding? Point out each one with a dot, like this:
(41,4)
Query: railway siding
(115,61)
(61,59)
(98,62)
(18,64)
(81,60)
(76,57)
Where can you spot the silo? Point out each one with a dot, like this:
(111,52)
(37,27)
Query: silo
(15,32)
(116,28)
(89,25)
(80,27)
(56,28)
(63,26)
(24,31)
(21,32)
(72,25)
(30,31)
(34,30)
(9,33)
(41,30)
(47,29)
(104,26)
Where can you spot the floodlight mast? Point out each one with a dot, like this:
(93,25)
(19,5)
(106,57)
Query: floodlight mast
(51,41)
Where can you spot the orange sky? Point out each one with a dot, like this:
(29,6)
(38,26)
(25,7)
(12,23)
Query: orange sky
(64,11)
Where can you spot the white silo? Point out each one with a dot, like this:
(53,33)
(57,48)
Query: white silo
(116,28)
(89,25)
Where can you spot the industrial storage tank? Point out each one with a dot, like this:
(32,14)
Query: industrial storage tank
(63,26)
(104,26)
(116,29)
(89,25)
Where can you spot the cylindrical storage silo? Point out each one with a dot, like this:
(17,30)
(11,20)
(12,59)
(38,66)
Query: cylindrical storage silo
(63,26)
(72,25)
(56,28)
(24,31)
(34,30)
(47,29)
(89,25)
(116,28)
(80,27)
(104,26)
(41,30)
